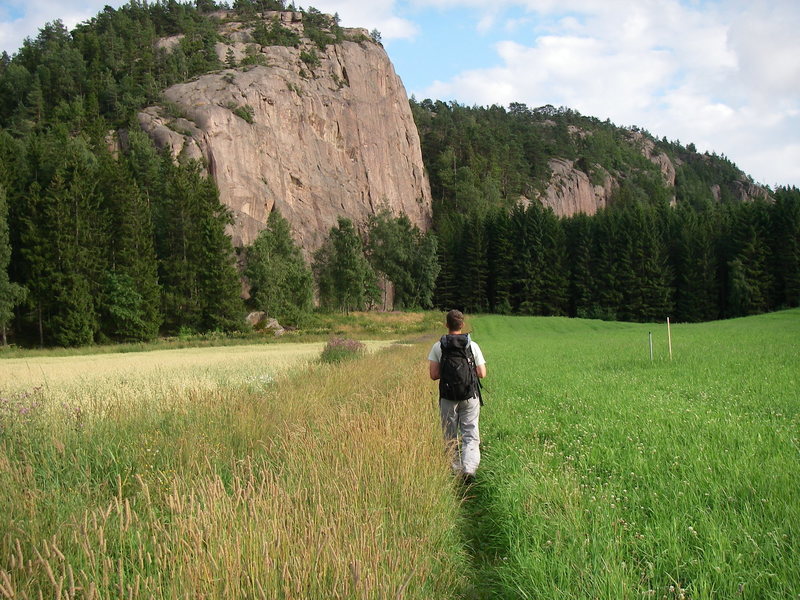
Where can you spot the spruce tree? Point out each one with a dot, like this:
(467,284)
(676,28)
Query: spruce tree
(607,266)
(695,265)
(131,298)
(220,285)
(785,234)
(748,268)
(581,281)
(345,279)
(498,254)
(474,267)
(11,294)
(281,283)
(555,279)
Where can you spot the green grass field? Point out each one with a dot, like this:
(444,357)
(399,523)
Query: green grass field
(606,475)
(238,472)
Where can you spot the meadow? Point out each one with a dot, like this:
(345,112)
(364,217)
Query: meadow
(225,473)
(258,472)
(606,475)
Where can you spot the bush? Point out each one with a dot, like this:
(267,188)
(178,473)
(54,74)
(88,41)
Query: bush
(338,349)
(310,58)
(245,112)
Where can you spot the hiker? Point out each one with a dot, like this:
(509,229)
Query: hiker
(457,362)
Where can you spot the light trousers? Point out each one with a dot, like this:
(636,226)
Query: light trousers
(462,417)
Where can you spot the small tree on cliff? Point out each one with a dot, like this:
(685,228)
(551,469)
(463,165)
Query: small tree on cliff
(281,283)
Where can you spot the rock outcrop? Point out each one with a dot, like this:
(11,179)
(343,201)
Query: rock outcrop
(315,134)
(648,149)
(570,190)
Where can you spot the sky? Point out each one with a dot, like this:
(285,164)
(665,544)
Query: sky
(722,74)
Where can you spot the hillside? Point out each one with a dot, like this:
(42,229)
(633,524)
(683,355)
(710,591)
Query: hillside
(478,157)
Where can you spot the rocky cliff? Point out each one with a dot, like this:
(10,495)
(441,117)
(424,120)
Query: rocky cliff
(314,133)
(570,190)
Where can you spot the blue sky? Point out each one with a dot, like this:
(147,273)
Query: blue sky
(723,74)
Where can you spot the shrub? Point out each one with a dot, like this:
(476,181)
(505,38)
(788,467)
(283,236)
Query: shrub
(275,35)
(245,112)
(310,58)
(338,349)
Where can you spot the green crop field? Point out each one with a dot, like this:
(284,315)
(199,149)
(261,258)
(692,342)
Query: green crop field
(257,472)
(606,475)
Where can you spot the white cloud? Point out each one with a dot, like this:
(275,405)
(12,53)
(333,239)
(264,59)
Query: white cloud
(24,18)
(376,14)
(723,75)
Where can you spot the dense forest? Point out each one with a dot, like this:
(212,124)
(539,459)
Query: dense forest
(655,251)
(103,238)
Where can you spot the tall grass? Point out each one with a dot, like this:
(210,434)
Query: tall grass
(606,475)
(326,483)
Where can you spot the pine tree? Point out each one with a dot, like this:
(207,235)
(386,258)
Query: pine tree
(11,294)
(345,279)
(785,233)
(281,283)
(131,297)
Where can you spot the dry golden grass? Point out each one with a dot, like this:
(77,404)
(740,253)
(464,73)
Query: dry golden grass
(60,371)
(330,483)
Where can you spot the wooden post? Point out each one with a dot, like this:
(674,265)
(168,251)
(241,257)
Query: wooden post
(650,337)
(669,339)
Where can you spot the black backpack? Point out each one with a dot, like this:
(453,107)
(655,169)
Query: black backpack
(457,378)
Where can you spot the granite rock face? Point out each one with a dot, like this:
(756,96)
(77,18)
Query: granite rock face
(570,191)
(315,139)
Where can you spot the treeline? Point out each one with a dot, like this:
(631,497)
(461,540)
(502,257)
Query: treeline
(113,248)
(634,261)
(103,238)
(353,270)
(640,259)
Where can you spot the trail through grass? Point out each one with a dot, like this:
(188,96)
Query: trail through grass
(240,472)
(606,475)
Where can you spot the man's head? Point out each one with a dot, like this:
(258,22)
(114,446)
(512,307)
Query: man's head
(455,320)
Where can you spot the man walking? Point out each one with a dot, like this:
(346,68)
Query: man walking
(457,362)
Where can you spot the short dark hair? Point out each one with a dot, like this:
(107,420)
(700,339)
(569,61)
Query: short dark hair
(455,320)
